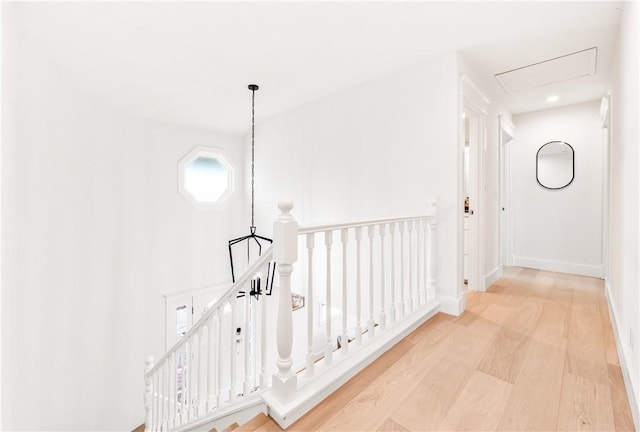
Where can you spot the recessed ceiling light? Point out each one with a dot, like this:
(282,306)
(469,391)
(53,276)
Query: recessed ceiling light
(552,98)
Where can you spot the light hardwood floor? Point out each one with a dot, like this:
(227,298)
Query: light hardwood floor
(535,352)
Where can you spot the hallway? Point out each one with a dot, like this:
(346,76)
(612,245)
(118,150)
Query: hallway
(535,352)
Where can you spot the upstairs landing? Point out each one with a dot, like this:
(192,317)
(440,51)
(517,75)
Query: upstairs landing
(535,352)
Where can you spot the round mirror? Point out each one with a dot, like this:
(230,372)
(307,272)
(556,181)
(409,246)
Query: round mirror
(554,165)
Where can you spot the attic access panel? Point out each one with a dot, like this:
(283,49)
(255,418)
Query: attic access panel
(563,68)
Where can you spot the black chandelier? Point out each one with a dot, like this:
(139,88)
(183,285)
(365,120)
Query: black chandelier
(253,241)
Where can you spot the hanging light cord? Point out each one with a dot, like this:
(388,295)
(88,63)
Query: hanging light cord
(253,89)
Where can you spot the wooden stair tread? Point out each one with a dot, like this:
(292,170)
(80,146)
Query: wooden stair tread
(253,424)
(232,427)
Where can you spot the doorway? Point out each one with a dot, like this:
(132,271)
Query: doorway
(470,196)
(472,146)
(506,132)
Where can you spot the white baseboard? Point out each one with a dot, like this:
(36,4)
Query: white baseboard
(558,266)
(452,305)
(633,400)
(492,277)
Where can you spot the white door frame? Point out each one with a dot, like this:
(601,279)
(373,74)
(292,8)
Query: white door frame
(506,135)
(605,115)
(472,101)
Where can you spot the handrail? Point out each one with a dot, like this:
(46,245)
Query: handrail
(335,226)
(233,290)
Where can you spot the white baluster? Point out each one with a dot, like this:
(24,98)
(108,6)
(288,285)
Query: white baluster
(418,272)
(344,236)
(181,377)
(402,263)
(162,395)
(285,253)
(148,395)
(246,385)
(186,392)
(156,402)
(328,351)
(218,334)
(254,346)
(167,395)
(392,231)
(358,288)
(372,325)
(194,375)
(198,374)
(180,384)
(425,257)
(411,294)
(168,379)
(182,404)
(383,319)
(209,367)
(433,251)
(263,339)
(310,306)
(158,395)
(177,419)
(233,357)
(254,376)
(172,389)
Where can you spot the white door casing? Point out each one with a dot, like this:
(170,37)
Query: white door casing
(474,104)
(605,114)
(506,134)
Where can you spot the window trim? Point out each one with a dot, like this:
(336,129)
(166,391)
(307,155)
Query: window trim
(220,155)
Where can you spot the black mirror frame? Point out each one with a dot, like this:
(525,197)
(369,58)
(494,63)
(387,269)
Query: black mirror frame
(573,165)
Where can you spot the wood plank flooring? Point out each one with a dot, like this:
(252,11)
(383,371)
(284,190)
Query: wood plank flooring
(536,352)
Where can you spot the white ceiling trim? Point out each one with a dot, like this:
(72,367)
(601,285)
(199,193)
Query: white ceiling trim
(567,67)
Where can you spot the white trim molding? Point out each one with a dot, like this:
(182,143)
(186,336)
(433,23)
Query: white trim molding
(223,159)
(473,95)
(493,276)
(506,135)
(633,400)
(558,266)
(452,305)
(473,102)
(604,111)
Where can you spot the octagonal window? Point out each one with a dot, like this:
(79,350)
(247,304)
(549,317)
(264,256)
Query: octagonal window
(206,178)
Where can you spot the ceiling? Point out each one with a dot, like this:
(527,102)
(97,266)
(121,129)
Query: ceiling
(190,63)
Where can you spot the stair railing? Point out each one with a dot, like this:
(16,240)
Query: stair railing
(388,263)
(381,286)
(220,360)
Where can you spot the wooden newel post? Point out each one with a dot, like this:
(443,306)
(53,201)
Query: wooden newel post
(433,250)
(148,395)
(285,254)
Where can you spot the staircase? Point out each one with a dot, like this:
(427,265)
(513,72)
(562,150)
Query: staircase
(247,357)
(254,425)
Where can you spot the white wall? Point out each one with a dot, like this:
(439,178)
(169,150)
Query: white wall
(95,232)
(624,259)
(383,148)
(559,230)
(2,53)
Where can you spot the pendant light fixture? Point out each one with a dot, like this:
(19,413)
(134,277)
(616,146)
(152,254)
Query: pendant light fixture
(253,241)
